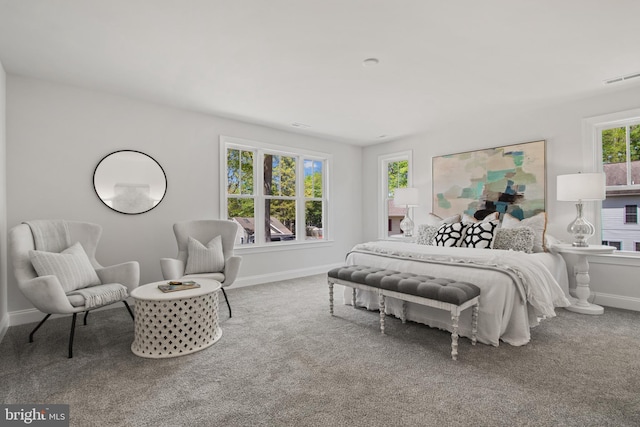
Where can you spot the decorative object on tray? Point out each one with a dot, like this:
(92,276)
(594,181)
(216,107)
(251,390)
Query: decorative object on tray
(509,179)
(174,286)
(581,187)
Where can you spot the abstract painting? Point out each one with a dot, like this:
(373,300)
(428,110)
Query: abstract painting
(504,179)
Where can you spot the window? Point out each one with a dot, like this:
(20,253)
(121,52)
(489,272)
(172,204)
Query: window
(273,193)
(616,146)
(617,245)
(395,173)
(636,246)
(631,214)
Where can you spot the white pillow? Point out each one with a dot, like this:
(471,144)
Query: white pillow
(205,259)
(433,219)
(71,266)
(426,233)
(514,239)
(537,222)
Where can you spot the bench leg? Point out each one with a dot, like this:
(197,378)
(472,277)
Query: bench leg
(353,297)
(382,314)
(454,335)
(474,324)
(331,298)
(403,316)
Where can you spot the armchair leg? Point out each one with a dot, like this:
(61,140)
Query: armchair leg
(73,329)
(126,304)
(227,300)
(86,314)
(38,327)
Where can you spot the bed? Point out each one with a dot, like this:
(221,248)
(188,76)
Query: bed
(518,289)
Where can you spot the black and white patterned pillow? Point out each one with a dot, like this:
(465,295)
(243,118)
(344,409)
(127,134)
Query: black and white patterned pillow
(449,234)
(515,239)
(479,235)
(426,233)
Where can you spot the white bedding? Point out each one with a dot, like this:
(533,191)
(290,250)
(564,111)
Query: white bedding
(517,289)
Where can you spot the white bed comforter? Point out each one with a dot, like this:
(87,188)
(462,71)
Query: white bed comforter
(517,289)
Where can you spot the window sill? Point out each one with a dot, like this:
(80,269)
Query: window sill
(617,258)
(275,247)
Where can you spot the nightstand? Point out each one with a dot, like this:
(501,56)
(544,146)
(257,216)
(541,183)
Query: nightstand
(582,275)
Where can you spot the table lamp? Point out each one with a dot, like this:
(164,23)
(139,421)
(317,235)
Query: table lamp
(581,187)
(407,197)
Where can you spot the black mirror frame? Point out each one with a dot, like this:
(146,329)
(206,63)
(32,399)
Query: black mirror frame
(166,183)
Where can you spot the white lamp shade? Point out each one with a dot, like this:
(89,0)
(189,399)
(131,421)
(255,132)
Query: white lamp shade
(406,197)
(581,186)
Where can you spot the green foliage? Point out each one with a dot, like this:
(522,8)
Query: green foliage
(614,144)
(239,172)
(240,207)
(398,175)
(279,181)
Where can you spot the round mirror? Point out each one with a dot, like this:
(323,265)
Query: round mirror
(130,182)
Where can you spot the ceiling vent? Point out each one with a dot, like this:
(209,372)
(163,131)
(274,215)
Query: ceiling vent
(622,78)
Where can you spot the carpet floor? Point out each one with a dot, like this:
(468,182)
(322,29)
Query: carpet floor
(284,361)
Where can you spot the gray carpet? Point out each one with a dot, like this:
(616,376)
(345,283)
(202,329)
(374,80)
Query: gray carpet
(283,361)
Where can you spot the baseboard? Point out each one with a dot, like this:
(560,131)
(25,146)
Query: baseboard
(31,315)
(4,325)
(617,301)
(282,275)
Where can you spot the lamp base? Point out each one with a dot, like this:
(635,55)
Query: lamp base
(406,225)
(580,244)
(580,228)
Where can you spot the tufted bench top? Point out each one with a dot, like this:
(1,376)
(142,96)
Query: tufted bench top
(439,289)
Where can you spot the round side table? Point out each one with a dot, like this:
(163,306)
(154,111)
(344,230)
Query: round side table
(170,324)
(582,275)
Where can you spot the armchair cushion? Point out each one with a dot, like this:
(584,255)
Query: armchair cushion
(71,266)
(201,259)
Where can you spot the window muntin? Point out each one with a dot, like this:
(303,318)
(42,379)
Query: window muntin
(631,214)
(274,194)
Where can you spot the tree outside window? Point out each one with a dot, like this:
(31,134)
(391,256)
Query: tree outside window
(287,201)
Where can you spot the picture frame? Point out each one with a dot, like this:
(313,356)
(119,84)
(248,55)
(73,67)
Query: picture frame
(506,179)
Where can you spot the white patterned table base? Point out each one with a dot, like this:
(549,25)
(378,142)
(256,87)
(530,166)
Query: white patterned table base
(176,327)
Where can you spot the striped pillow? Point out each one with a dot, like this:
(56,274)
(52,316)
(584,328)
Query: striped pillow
(71,266)
(201,259)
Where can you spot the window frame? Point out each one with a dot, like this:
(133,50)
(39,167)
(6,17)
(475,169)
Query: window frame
(259,149)
(633,215)
(383,179)
(592,128)
(614,243)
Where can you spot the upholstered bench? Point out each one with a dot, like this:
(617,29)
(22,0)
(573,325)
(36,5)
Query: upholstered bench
(435,292)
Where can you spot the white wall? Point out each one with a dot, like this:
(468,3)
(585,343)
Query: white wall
(4,315)
(57,134)
(560,125)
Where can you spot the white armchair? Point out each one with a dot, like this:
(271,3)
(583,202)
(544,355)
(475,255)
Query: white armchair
(204,231)
(51,294)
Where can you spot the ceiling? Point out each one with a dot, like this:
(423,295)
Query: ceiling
(285,62)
